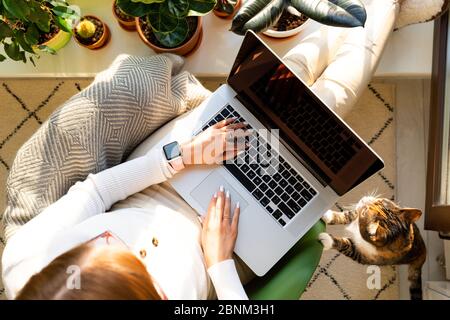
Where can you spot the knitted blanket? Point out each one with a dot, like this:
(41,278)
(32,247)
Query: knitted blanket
(97,129)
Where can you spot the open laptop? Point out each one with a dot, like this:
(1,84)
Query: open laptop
(283,185)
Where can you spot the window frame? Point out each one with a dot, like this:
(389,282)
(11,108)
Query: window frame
(437,216)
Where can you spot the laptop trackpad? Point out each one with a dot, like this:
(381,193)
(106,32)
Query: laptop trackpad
(206,189)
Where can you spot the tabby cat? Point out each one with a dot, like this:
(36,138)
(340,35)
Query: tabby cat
(381,233)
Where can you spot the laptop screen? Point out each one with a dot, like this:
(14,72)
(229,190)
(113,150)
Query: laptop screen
(316,135)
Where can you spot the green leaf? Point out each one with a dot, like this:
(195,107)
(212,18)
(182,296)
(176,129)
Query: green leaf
(32,61)
(64,24)
(176,36)
(13,51)
(20,38)
(64,12)
(148,1)
(32,35)
(18,8)
(177,8)
(338,13)
(257,15)
(56,3)
(5,30)
(201,7)
(160,21)
(40,17)
(46,49)
(135,9)
(226,6)
(2,58)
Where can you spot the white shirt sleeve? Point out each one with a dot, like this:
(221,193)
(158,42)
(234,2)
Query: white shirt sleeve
(25,252)
(226,281)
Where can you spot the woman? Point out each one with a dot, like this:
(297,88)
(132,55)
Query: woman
(151,250)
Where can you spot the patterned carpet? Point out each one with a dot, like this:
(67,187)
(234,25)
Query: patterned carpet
(25,104)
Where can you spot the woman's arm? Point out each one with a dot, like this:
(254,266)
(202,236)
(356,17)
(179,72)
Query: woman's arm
(23,254)
(100,191)
(218,240)
(96,195)
(27,251)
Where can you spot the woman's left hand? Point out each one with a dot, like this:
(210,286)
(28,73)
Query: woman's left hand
(220,229)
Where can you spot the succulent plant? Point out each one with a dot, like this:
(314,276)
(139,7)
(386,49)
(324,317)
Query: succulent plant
(167,17)
(85,29)
(259,15)
(22,22)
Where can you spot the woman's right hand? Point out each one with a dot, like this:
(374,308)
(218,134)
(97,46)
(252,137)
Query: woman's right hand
(218,143)
(220,229)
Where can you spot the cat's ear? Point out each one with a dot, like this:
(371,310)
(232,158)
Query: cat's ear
(410,214)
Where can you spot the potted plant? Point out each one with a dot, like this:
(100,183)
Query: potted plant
(290,23)
(126,21)
(259,15)
(226,8)
(168,25)
(91,32)
(28,27)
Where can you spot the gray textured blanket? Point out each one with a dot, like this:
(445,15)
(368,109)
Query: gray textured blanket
(97,129)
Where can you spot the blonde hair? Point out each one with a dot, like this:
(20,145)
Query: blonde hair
(106,273)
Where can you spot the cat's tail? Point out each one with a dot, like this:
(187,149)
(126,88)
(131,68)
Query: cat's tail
(415,286)
(415,277)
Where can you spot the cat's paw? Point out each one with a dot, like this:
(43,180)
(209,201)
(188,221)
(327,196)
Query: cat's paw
(328,216)
(327,240)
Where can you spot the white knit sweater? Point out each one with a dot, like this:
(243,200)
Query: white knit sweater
(177,264)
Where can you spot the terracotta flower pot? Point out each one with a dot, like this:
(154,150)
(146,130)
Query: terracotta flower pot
(225,15)
(182,50)
(100,43)
(125,24)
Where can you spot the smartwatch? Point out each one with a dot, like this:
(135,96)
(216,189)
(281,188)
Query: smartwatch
(172,152)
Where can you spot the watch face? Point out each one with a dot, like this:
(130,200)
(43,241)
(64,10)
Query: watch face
(172,150)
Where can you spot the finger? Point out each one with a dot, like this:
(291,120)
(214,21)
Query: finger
(224,123)
(211,208)
(238,144)
(227,208)
(236,126)
(220,204)
(236,137)
(235,222)
(230,155)
(241,133)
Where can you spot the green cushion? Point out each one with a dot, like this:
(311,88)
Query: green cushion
(289,277)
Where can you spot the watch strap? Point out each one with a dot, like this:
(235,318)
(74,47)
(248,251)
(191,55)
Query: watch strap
(177,163)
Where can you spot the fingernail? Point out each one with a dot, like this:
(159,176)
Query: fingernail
(238,205)
(221,188)
(228,194)
(215,194)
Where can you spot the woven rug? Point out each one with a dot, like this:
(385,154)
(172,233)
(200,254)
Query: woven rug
(25,104)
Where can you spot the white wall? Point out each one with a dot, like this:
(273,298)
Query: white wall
(412,110)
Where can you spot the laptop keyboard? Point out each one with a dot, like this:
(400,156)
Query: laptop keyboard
(271,180)
(327,138)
